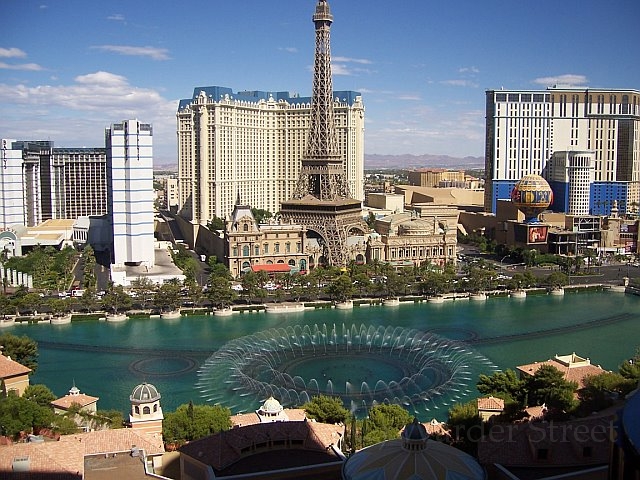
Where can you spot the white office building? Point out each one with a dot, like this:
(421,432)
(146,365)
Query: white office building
(250,145)
(130,193)
(12,205)
(525,128)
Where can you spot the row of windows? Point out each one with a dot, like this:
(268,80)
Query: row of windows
(257,251)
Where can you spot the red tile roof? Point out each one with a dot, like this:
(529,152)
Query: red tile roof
(581,442)
(10,368)
(271,267)
(571,372)
(68,400)
(491,404)
(66,457)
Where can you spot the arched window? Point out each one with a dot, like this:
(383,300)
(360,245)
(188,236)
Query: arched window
(245,251)
(245,227)
(155,407)
(137,410)
(292,263)
(146,411)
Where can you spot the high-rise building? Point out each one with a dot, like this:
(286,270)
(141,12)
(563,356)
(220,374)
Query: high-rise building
(46,183)
(570,175)
(79,186)
(525,128)
(251,144)
(129,147)
(12,205)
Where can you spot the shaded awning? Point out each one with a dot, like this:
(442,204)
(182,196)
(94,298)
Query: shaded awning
(271,267)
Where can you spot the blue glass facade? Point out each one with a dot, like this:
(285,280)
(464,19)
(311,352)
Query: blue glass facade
(603,194)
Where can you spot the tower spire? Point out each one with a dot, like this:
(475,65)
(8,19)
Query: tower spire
(322,174)
(321,200)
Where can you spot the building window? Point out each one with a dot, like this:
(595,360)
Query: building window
(245,227)
(245,251)
(276,248)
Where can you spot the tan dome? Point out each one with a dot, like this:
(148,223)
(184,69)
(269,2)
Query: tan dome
(412,457)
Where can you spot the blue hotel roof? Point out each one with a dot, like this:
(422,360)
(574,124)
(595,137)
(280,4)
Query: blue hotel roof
(217,92)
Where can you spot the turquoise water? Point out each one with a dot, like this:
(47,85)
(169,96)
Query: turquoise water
(108,360)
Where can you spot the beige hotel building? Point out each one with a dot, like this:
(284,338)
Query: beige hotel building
(249,145)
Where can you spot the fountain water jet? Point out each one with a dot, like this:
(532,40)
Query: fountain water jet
(405,366)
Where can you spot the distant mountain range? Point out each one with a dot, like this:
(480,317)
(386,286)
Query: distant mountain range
(410,162)
(401,162)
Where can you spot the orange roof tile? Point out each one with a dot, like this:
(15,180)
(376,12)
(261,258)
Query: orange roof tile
(491,403)
(65,457)
(581,442)
(68,400)
(10,368)
(570,373)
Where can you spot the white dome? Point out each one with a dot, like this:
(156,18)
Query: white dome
(271,406)
(144,393)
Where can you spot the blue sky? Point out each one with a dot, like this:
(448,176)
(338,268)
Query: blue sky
(69,68)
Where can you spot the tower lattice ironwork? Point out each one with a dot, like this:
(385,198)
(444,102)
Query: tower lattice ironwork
(322,201)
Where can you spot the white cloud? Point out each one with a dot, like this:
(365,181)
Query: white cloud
(566,79)
(469,70)
(118,17)
(151,52)
(31,67)
(12,53)
(289,49)
(76,114)
(460,83)
(362,61)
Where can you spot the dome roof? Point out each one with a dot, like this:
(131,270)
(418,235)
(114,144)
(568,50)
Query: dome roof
(271,406)
(532,194)
(412,457)
(144,393)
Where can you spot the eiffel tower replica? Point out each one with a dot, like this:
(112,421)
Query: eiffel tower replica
(321,200)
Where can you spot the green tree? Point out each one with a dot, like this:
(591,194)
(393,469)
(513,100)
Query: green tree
(261,215)
(22,349)
(631,368)
(341,289)
(144,290)
(601,390)
(465,424)
(89,271)
(505,385)
(18,414)
(116,299)
(548,386)
(7,307)
(389,417)
(556,279)
(216,223)
(220,293)
(168,297)
(326,409)
(39,394)
(191,422)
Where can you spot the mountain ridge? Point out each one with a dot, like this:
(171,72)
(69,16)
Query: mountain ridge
(410,161)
